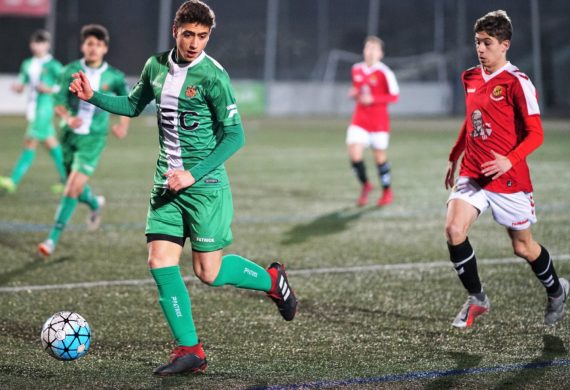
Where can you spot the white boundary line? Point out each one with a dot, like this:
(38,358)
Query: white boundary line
(308,271)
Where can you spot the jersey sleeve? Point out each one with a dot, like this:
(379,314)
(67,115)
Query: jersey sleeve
(232,140)
(120,87)
(222,100)
(132,104)
(61,97)
(23,77)
(526,105)
(392,93)
(459,146)
(56,70)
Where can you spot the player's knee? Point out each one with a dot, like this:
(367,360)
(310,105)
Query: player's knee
(206,276)
(455,233)
(522,248)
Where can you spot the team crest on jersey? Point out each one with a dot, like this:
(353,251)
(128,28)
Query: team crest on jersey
(498,93)
(480,128)
(105,87)
(190,91)
(373,79)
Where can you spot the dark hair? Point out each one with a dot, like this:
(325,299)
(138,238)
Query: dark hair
(40,36)
(375,39)
(497,24)
(195,11)
(95,30)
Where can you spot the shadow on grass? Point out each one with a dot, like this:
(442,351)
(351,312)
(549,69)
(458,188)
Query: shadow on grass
(324,225)
(36,263)
(462,361)
(553,348)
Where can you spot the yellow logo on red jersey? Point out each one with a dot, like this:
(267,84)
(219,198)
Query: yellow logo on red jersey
(498,91)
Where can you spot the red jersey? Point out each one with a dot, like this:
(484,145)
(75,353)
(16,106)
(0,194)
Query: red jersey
(379,81)
(502,115)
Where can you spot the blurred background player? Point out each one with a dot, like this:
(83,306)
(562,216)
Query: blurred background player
(374,86)
(502,127)
(40,73)
(84,131)
(199,128)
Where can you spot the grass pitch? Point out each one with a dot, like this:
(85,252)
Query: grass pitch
(294,196)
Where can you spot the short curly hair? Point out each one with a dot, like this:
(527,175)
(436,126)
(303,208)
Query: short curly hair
(195,11)
(497,24)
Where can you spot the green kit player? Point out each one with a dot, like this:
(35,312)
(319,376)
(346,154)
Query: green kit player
(199,129)
(84,131)
(40,73)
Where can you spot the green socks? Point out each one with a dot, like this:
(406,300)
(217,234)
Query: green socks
(89,198)
(62,217)
(175,303)
(57,157)
(243,273)
(23,164)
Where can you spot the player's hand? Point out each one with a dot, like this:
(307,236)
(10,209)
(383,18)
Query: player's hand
(497,167)
(366,99)
(42,88)
(120,130)
(353,93)
(450,174)
(74,122)
(178,179)
(80,86)
(17,87)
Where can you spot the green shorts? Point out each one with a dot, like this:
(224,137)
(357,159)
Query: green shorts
(205,217)
(82,152)
(41,127)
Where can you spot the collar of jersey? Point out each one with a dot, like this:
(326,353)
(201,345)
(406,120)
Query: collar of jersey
(90,70)
(488,77)
(175,66)
(369,69)
(44,59)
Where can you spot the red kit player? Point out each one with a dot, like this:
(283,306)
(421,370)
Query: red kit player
(374,86)
(502,127)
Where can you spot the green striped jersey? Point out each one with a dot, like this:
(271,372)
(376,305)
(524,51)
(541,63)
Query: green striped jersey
(194,102)
(105,79)
(33,71)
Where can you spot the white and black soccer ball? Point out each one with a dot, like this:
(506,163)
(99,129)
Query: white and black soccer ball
(66,336)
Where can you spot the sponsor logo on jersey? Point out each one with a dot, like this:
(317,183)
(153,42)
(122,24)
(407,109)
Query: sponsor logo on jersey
(498,93)
(471,90)
(480,128)
(190,91)
(188,123)
(211,181)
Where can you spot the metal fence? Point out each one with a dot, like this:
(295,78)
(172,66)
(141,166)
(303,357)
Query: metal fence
(286,41)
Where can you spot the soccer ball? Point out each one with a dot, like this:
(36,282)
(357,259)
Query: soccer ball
(66,336)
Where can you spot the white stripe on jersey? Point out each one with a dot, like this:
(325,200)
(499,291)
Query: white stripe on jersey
(393,87)
(528,89)
(34,75)
(527,86)
(168,109)
(87,110)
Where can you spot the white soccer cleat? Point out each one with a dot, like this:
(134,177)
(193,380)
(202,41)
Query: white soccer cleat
(94,217)
(472,309)
(46,248)
(555,306)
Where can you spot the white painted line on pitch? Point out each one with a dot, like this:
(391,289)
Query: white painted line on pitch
(308,271)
